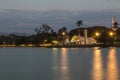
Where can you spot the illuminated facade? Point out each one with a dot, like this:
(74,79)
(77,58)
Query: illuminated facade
(82,40)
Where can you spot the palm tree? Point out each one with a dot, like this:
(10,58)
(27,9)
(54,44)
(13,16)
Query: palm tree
(79,23)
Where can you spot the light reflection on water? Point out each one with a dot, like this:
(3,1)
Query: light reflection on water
(59,64)
(55,64)
(100,70)
(64,65)
(111,71)
(112,66)
(97,69)
(60,69)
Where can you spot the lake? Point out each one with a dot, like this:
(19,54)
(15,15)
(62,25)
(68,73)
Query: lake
(34,63)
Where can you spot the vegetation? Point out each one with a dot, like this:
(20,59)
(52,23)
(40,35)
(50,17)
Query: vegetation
(45,34)
(79,23)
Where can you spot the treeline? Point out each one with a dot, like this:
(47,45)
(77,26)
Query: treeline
(45,34)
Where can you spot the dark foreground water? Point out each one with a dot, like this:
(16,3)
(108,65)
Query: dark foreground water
(59,63)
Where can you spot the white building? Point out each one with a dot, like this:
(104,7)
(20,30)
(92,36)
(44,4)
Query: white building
(82,40)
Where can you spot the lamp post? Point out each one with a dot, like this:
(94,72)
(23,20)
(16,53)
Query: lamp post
(97,34)
(111,35)
(85,35)
(63,37)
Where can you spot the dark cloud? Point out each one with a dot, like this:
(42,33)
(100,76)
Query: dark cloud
(27,21)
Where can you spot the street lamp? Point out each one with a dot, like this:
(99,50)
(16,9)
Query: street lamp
(97,34)
(63,33)
(111,34)
(63,37)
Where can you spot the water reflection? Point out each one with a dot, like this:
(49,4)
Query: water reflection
(112,67)
(55,63)
(64,65)
(61,71)
(97,69)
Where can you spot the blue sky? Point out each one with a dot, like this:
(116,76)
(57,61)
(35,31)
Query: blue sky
(26,15)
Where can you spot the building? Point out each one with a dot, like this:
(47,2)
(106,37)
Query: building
(80,40)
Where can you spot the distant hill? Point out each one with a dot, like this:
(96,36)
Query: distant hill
(14,33)
(4,34)
(20,34)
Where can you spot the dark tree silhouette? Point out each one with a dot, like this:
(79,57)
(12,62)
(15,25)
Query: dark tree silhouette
(79,23)
(62,32)
(44,28)
(44,32)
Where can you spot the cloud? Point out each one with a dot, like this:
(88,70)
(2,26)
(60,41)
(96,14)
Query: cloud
(27,21)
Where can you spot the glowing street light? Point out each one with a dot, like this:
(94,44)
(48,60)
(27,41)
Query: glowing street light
(111,33)
(97,34)
(63,33)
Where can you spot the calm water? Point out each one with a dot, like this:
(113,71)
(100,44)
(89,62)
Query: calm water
(59,63)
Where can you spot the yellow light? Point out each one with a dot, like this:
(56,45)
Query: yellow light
(55,42)
(22,45)
(63,33)
(112,67)
(97,34)
(111,33)
(30,45)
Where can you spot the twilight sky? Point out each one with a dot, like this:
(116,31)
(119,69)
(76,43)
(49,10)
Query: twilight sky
(60,4)
(25,15)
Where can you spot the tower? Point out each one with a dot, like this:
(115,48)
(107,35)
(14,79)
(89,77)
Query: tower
(85,36)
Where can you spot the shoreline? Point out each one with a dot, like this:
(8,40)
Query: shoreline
(64,46)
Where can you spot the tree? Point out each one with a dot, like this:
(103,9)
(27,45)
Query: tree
(44,28)
(62,32)
(79,23)
(44,32)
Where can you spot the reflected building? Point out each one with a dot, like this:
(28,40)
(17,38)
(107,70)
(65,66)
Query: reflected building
(112,66)
(97,69)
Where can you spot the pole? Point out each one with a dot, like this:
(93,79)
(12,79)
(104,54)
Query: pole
(85,36)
